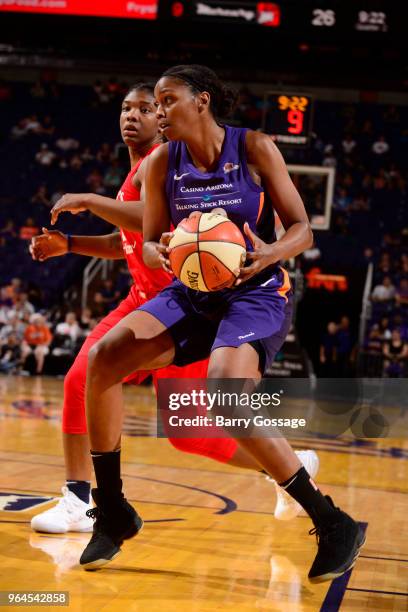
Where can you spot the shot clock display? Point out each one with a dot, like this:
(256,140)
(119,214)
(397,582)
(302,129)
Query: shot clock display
(288,117)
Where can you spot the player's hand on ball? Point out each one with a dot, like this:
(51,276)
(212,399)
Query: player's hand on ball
(164,250)
(70,202)
(48,244)
(261,257)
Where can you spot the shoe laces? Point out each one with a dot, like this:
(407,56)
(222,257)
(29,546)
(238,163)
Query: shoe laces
(92,513)
(69,502)
(324,533)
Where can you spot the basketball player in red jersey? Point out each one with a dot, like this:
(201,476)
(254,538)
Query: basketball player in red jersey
(139,130)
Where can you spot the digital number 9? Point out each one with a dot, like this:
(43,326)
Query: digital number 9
(295,118)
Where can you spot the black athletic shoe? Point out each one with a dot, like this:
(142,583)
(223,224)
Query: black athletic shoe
(339,545)
(115,521)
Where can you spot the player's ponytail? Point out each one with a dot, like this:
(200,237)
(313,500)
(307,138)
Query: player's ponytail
(200,78)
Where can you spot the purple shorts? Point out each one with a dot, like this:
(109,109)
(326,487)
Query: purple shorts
(259,313)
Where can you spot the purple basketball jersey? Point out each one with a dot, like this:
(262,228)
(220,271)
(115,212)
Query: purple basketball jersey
(230,186)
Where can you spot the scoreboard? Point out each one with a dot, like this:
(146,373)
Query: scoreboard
(288,117)
(305,17)
(309,17)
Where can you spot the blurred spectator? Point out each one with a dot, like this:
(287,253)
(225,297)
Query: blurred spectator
(107,296)
(329,159)
(374,341)
(67,143)
(7,232)
(114,176)
(69,327)
(13,325)
(87,155)
(368,255)
(384,327)
(348,145)
(113,87)
(33,125)
(37,90)
(66,337)
(75,163)
(45,156)
(342,200)
(95,182)
(344,347)
(48,127)
(10,355)
(37,338)
(384,292)
(22,307)
(11,291)
(400,323)
(401,295)
(328,351)
(5,91)
(101,93)
(380,146)
(85,320)
(104,155)
(28,230)
(396,353)
(20,130)
(41,197)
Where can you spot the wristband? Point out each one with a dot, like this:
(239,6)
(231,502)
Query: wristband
(69,242)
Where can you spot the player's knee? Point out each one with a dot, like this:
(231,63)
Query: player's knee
(220,370)
(101,364)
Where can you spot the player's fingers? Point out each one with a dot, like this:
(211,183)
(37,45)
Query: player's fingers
(251,255)
(162,248)
(253,237)
(54,215)
(166,237)
(246,273)
(165,263)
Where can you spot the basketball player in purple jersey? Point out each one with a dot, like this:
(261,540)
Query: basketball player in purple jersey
(209,165)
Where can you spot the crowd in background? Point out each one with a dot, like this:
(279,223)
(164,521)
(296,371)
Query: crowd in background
(57,138)
(47,340)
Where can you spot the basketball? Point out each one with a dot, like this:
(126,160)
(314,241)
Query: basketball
(207,248)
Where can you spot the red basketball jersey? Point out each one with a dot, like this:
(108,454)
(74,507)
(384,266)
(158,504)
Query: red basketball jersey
(148,282)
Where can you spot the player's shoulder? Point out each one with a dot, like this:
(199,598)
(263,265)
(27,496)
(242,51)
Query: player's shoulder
(160,153)
(255,139)
(157,159)
(258,145)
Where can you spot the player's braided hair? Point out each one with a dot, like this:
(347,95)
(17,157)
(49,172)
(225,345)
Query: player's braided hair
(200,78)
(142,86)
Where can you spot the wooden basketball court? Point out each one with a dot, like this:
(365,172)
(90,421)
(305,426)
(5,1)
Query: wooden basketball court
(210,541)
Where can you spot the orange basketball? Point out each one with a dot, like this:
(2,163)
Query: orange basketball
(206,250)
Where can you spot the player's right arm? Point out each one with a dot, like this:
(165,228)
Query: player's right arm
(54,244)
(156,216)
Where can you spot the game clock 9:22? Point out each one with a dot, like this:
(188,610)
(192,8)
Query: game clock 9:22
(288,117)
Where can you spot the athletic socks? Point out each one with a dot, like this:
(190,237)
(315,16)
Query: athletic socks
(81,488)
(301,487)
(107,471)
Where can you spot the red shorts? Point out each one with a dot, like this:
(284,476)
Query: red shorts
(73,414)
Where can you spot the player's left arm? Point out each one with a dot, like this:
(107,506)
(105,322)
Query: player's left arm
(267,161)
(286,199)
(128,215)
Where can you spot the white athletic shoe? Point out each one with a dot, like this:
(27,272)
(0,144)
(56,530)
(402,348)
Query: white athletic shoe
(286,507)
(67,515)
